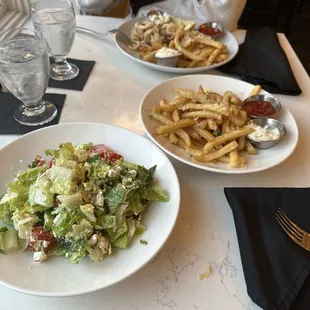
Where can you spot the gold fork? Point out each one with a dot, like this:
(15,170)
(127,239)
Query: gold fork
(301,237)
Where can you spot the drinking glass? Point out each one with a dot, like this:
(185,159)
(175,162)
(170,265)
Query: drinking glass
(55,20)
(24,69)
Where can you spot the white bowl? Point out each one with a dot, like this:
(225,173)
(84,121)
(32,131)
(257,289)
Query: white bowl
(57,277)
(264,159)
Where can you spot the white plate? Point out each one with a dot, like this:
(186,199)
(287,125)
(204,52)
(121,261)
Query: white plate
(57,277)
(264,159)
(227,38)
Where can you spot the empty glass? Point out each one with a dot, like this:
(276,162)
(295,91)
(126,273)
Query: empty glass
(24,69)
(55,20)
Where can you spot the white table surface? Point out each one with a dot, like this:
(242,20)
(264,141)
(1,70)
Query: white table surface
(205,233)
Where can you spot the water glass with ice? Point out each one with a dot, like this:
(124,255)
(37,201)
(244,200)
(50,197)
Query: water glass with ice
(24,69)
(55,20)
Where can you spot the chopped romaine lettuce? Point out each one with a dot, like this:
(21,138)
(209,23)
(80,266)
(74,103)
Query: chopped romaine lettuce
(106,221)
(70,201)
(86,203)
(114,197)
(48,220)
(63,179)
(80,231)
(8,240)
(155,193)
(39,194)
(23,223)
(18,191)
(123,241)
(115,234)
(135,204)
(98,169)
(54,153)
(88,211)
(93,158)
(64,221)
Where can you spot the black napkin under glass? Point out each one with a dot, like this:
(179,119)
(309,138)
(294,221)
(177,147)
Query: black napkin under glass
(276,269)
(79,81)
(9,103)
(261,60)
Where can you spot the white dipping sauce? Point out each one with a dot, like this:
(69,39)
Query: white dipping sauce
(267,133)
(167,52)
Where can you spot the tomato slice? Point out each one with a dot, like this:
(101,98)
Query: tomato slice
(51,163)
(41,163)
(39,234)
(104,152)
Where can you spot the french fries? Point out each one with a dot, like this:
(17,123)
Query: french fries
(250,148)
(180,132)
(196,50)
(233,158)
(201,114)
(207,126)
(212,156)
(226,137)
(173,105)
(255,91)
(177,125)
(206,106)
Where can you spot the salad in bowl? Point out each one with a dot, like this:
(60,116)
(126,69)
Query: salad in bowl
(79,201)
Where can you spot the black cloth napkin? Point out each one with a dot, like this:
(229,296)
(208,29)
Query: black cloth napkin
(9,103)
(261,60)
(78,83)
(276,269)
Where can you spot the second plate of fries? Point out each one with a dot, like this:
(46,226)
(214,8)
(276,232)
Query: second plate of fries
(199,120)
(198,53)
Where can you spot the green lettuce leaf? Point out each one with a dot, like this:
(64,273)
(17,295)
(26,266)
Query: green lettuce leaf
(83,230)
(95,254)
(114,197)
(143,242)
(88,211)
(146,176)
(54,153)
(129,166)
(135,204)
(39,194)
(92,159)
(115,234)
(64,221)
(23,223)
(98,169)
(17,194)
(74,250)
(73,165)
(100,250)
(140,229)
(67,150)
(84,147)
(81,151)
(123,241)
(155,194)
(63,179)
(78,251)
(106,221)
(5,213)
(8,240)
(48,220)
(70,202)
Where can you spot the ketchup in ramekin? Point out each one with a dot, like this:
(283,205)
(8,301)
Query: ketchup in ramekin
(208,30)
(259,108)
